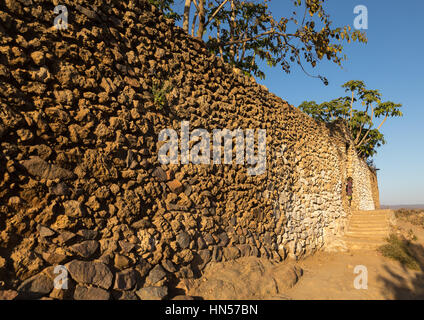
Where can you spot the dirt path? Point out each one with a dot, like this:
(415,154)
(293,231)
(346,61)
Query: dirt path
(331,277)
(328,276)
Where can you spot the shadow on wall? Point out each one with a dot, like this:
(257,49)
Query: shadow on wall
(375,189)
(401,288)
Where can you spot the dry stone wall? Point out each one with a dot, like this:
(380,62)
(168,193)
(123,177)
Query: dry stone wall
(363,194)
(81,186)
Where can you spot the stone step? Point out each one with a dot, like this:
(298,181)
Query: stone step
(376,210)
(380,240)
(368,219)
(383,225)
(368,225)
(369,213)
(363,244)
(369,236)
(353,219)
(379,211)
(368,222)
(365,233)
(368,231)
(376,242)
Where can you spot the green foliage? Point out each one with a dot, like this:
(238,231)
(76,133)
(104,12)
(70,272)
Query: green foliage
(354,86)
(375,140)
(160,90)
(248,31)
(243,32)
(165,7)
(367,137)
(326,111)
(397,249)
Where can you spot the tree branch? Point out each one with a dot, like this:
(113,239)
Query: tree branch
(362,140)
(382,122)
(358,136)
(215,13)
(269,32)
(196,5)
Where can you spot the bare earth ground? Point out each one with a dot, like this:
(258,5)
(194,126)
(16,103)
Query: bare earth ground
(328,276)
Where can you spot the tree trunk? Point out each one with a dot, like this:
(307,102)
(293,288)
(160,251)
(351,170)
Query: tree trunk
(244,48)
(232,31)
(186,19)
(218,37)
(193,25)
(351,113)
(201,28)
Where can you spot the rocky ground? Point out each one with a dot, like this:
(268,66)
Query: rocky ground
(245,279)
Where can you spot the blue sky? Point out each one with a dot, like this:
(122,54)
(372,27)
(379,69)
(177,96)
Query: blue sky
(391,62)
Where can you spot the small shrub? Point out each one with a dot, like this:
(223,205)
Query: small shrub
(412,235)
(159,91)
(397,249)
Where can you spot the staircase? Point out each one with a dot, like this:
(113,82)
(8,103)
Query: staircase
(367,230)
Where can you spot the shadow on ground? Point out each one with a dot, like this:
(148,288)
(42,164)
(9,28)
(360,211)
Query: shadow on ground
(406,288)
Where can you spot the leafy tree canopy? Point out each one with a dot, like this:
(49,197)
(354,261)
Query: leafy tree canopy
(243,32)
(166,7)
(362,121)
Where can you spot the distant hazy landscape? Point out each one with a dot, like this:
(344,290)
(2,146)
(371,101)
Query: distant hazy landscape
(404,206)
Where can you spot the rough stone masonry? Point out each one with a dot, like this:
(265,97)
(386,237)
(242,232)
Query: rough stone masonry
(80,181)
